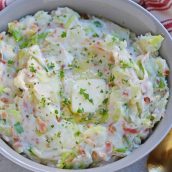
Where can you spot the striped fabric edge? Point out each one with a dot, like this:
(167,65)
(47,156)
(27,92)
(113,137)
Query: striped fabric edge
(155,6)
(167,24)
(161,7)
(2,4)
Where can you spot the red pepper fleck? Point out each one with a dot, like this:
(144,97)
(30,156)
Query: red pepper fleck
(111,129)
(37,141)
(4,115)
(5,100)
(25,105)
(17,144)
(111,84)
(34,110)
(16,139)
(81,151)
(42,126)
(1,37)
(58,119)
(131,130)
(62,25)
(166,72)
(95,156)
(147,100)
(125,93)
(108,146)
(1,59)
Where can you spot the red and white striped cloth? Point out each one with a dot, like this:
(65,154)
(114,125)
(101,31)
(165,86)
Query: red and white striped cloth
(162,9)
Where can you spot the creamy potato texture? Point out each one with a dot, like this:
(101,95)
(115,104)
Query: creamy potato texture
(78,91)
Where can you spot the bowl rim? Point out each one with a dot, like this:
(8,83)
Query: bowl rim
(15,157)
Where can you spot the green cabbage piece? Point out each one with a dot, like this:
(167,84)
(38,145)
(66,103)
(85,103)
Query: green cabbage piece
(15,32)
(66,159)
(148,43)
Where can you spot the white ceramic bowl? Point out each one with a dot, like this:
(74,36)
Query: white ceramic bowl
(123,12)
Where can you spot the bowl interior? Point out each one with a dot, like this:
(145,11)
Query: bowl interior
(125,13)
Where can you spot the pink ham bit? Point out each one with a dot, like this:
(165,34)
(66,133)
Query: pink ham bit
(4,115)
(147,100)
(130,130)
(81,151)
(166,72)
(42,126)
(108,146)
(111,128)
(1,59)
(5,100)
(125,93)
(95,156)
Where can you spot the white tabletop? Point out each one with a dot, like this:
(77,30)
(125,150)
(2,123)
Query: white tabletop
(7,166)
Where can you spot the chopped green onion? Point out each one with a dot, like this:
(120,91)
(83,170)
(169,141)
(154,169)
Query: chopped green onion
(61,74)
(80,110)
(95,35)
(10,62)
(17,35)
(161,84)
(50,65)
(64,34)
(85,95)
(121,150)
(32,69)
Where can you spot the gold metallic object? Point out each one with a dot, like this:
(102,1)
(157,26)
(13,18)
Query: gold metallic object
(160,159)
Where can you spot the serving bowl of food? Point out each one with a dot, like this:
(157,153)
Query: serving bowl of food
(84,84)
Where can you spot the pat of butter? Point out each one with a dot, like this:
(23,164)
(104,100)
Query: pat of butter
(94,92)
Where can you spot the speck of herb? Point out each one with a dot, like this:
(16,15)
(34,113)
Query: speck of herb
(85,49)
(10,62)
(100,74)
(56,111)
(63,35)
(50,65)
(101,91)
(85,95)
(89,83)
(112,77)
(32,69)
(103,112)
(105,101)
(66,101)
(161,84)
(58,134)
(100,61)
(18,127)
(48,140)
(61,92)
(97,23)
(43,101)
(80,110)
(78,133)
(125,64)
(61,74)
(90,115)
(124,81)
(95,35)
